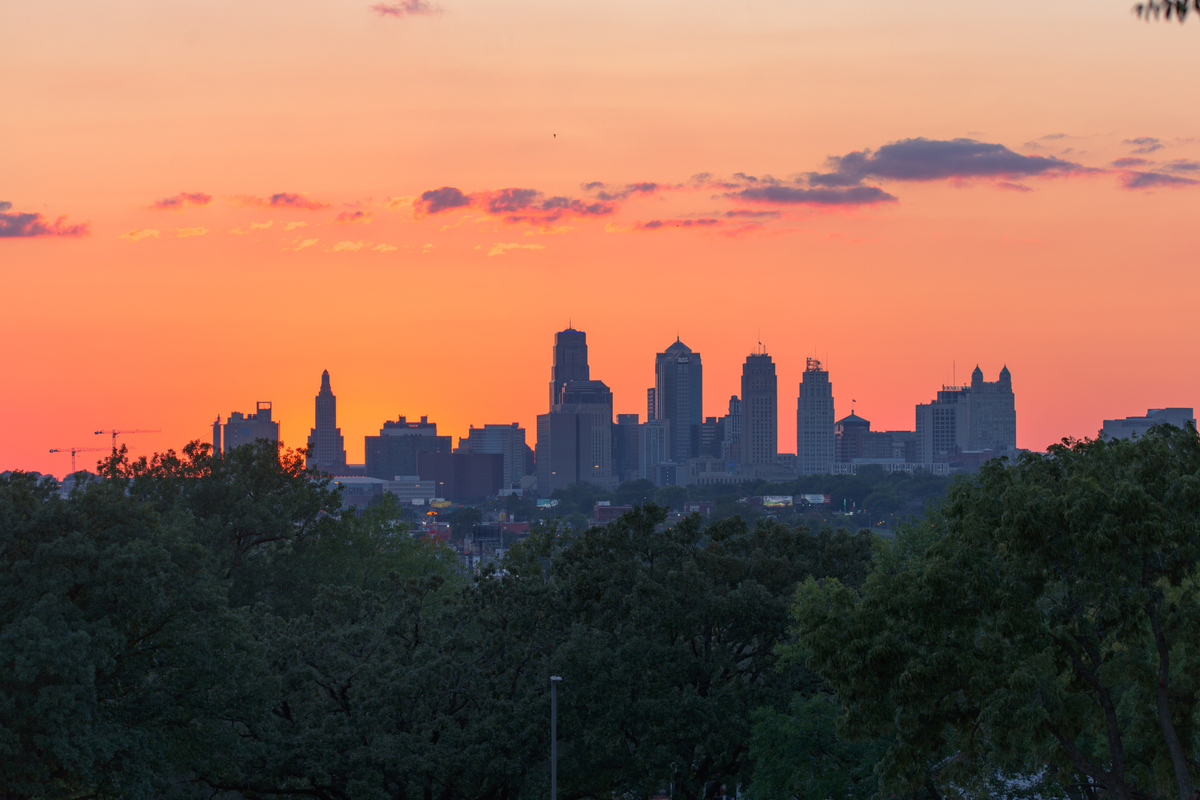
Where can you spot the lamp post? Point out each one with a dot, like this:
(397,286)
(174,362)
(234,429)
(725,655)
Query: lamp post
(554,680)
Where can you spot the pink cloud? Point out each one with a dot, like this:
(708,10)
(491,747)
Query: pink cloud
(406,8)
(353,216)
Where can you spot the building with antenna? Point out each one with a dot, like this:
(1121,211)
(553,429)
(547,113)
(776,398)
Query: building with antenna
(815,421)
(326,447)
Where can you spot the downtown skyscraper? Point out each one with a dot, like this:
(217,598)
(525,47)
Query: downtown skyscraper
(574,440)
(760,411)
(326,447)
(679,399)
(814,421)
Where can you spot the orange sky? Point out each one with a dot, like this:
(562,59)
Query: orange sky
(1078,274)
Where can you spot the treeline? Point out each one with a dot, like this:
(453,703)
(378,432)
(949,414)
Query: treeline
(199,625)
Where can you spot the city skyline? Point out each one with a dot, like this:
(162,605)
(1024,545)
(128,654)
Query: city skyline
(624,403)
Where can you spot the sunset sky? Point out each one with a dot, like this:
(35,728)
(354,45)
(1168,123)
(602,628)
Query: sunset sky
(205,204)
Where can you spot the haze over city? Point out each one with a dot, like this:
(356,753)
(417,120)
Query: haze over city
(205,205)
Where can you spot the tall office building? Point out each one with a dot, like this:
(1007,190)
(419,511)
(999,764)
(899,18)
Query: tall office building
(981,416)
(242,428)
(506,440)
(760,411)
(326,448)
(679,398)
(814,421)
(594,400)
(570,361)
(575,439)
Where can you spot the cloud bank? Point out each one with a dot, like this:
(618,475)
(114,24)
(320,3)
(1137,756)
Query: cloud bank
(923,159)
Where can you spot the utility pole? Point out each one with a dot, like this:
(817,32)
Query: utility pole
(554,681)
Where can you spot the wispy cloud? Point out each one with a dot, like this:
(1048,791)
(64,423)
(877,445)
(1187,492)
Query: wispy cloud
(139,234)
(658,224)
(184,233)
(1144,144)
(347,246)
(1013,187)
(1183,165)
(254,226)
(512,205)
(301,244)
(611,193)
(406,8)
(281,200)
(351,217)
(1155,180)
(500,248)
(383,248)
(18,225)
(1130,161)
(820,196)
(291,226)
(176,202)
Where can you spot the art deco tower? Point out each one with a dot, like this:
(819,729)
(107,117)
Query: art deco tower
(326,448)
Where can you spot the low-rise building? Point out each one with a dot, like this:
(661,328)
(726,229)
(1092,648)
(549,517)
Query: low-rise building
(1131,427)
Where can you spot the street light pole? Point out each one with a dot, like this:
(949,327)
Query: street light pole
(554,680)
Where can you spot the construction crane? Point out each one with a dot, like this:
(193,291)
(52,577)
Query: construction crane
(73,451)
(115,434)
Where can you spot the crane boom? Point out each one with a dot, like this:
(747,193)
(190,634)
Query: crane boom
(73,451)
(116,433)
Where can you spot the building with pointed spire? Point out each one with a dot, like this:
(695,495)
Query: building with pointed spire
(760,411)
(679,399)
(326,447)
(815,451)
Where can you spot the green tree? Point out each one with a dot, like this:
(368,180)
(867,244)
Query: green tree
(1046,614)
(120,663)
(672,646)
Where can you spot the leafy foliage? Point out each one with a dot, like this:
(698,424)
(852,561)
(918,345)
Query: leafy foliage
(1046,614)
